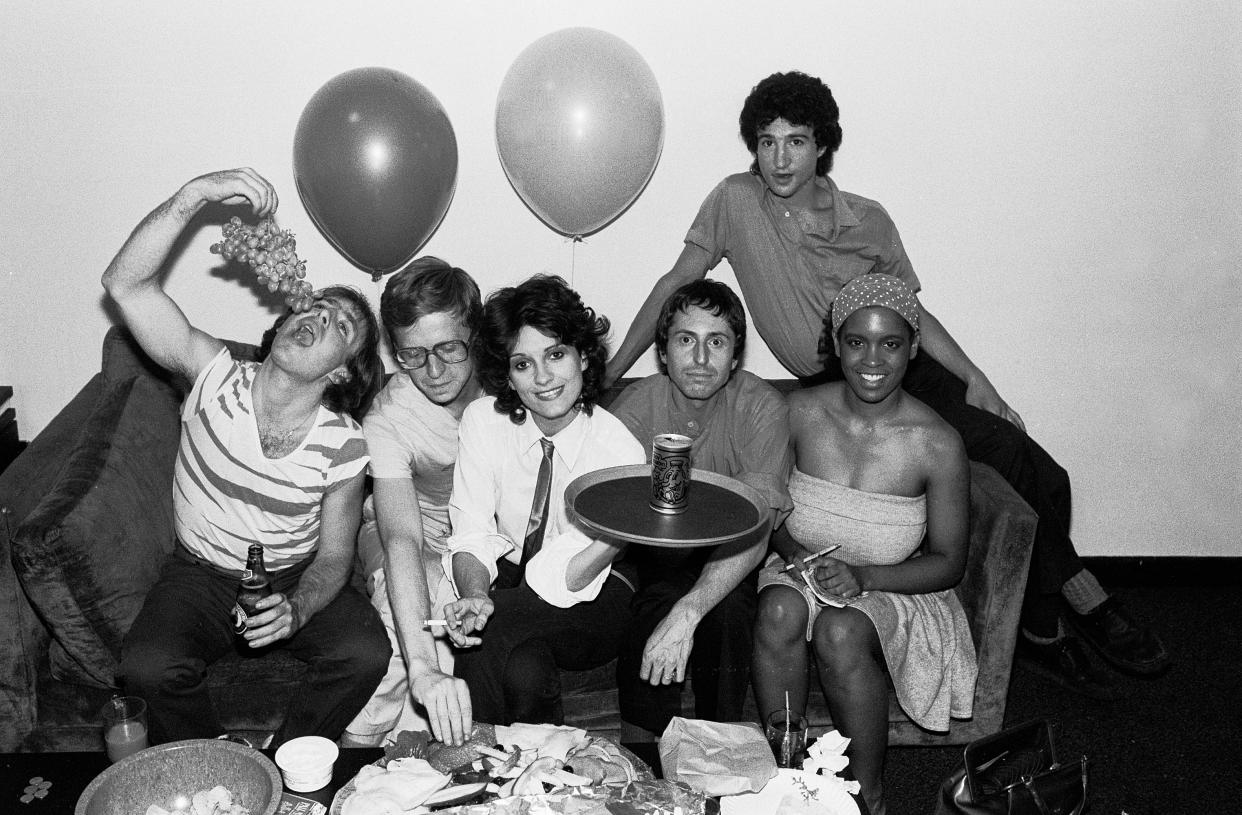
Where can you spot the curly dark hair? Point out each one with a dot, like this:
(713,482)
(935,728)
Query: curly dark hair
(427,286)
(547,304)
(366,370)
(799,99)
(713,297)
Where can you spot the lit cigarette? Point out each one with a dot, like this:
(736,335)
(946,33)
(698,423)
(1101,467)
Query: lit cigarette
(435,622)
(809,558)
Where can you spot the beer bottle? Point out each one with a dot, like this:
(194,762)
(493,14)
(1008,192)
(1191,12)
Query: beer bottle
(255,585)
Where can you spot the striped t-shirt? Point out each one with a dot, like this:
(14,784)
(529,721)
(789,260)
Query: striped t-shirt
(228,495)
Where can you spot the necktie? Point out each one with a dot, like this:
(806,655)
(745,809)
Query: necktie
(539,506)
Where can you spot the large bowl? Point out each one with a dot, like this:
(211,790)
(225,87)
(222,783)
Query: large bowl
(151,776)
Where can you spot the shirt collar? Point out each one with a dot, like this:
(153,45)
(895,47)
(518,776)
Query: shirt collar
(701,418)
(568,443)
(838,216)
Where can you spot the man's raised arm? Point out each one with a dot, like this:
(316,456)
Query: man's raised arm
(691,265)
(133,277)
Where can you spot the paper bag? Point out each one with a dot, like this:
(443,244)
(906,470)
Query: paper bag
(716,758)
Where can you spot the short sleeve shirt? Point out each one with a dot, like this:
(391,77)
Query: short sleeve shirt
(411,437)
(790,272)
(744,433)
(227,494)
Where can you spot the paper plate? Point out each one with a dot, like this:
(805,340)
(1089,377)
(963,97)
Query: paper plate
(793,792)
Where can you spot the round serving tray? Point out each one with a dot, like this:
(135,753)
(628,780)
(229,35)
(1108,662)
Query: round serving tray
(615,502)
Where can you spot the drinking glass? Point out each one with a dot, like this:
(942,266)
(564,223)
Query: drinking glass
(124,726)
(787,737)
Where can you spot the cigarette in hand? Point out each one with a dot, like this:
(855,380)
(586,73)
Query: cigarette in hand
(435,622)
(806,560)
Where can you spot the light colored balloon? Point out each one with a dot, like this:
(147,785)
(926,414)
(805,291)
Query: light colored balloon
(579,128)
(375,160)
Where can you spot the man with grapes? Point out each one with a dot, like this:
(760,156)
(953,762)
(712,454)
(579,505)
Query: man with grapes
(270,453)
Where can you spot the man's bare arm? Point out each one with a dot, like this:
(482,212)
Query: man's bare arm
(401,533)
(446,698)
(691,265)
(667,651)
(133,277)
(282,615)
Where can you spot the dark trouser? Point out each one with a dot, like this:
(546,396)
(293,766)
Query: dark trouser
(514,674)
(1034,475)
(186,625)
(719,663)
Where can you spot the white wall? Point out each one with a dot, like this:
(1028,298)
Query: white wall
(1067,178)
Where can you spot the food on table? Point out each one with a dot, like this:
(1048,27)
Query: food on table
(215,801)
(408,744)
(449,759)
(526,768)
(647,797)
(272,253)
(602,762)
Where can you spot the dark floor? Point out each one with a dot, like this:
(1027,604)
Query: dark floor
(1169,745)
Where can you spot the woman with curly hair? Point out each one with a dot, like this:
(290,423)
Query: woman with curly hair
(536,592)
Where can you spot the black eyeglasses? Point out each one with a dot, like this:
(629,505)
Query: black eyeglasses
(448,352)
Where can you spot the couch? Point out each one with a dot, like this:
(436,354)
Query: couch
(86,520)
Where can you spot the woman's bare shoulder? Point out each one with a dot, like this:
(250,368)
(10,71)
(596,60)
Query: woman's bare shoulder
(936,435)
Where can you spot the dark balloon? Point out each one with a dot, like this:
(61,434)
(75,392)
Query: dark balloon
(579,128)
(375,160)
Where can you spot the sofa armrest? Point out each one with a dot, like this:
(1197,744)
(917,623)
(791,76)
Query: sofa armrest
(89,551)
(1002,530)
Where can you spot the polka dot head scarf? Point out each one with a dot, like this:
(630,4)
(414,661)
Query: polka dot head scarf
(875,290)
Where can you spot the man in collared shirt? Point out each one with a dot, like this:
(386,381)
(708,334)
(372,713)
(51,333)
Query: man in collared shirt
(537,594)
(793,239)
(696,608)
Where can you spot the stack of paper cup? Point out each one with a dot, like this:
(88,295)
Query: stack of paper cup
(306,762)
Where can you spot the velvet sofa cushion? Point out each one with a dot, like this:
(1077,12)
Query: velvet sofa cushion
(93,546)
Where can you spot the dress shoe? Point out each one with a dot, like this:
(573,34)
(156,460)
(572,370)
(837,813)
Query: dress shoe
(1121,641)
(1066,663)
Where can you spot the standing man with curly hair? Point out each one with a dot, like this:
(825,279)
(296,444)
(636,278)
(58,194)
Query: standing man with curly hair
(793,239)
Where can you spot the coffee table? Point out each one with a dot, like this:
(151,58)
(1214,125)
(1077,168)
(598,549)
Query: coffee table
(63,776)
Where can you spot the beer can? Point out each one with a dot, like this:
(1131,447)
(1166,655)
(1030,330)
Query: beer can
(670,473)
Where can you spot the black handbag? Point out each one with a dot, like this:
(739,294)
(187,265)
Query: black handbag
(1015,772)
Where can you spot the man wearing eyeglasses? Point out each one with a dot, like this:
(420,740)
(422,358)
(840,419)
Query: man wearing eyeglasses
(430,311)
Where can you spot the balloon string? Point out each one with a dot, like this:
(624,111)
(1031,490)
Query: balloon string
(573,260)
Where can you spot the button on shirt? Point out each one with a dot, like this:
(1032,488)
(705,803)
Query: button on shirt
(494,484)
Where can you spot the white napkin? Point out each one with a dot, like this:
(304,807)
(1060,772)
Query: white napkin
(546,740)
(826,756)
(409,781)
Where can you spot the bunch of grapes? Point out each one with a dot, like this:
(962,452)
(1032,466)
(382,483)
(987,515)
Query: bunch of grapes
(272,253)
